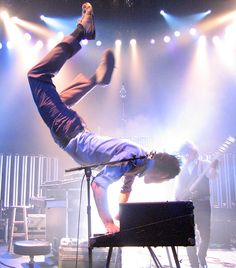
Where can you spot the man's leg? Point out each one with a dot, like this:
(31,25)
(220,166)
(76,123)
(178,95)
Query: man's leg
(192,251)
(204,230)
(63,122)
(192,255)
(81,85)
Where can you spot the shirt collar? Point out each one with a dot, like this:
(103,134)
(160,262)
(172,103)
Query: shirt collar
(148,163)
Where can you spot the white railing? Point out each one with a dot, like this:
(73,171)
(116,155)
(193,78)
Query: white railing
(223,188)
(21,177)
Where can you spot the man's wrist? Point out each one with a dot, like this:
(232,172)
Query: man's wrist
(110,222)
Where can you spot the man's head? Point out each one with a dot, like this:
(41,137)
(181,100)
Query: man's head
(161,167)
(189,151)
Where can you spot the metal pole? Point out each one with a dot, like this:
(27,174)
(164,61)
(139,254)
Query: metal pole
(88,174)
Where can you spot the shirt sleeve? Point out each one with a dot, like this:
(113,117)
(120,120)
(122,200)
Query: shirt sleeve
(127,185)
(110,174)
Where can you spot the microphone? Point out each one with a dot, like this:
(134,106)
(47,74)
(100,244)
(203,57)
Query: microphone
(151,155)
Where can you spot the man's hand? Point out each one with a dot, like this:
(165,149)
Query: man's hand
(215,164)
(117,216)
(111,228)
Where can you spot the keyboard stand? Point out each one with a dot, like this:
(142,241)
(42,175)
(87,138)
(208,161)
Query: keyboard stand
(153,255)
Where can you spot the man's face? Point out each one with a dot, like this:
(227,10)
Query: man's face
(152,176)
(189,156)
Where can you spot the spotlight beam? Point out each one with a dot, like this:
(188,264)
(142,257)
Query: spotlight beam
(176,22)
(38,29)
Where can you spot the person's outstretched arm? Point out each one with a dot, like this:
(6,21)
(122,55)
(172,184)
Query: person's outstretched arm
(100,196)
(101,182)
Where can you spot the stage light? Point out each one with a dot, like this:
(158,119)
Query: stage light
(152,41)
(84,42)
(118,42)
(193,31)
(201,56)
(0,45)
(177,34)
(34,27)
(98,43)
(181,23)
(230,31)
(162,12)
(27,36)
(51,43)
(215,40)
(10,45)
(208,12)
(226,51)
(4,15)
(13,32)
(229,37)
(38,45)
(14,19)
(166,39)
(60,35)
(202,39)
(132,42)
(54,23)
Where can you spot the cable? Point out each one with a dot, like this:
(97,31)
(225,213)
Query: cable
(7,265)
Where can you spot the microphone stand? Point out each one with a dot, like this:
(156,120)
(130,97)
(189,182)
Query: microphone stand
(88,174)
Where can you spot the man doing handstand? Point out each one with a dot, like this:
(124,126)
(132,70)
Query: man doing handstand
(69,130)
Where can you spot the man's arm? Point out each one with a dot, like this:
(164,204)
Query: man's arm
(125,191)
(100,196)
(213,170)
(100,184)
(124,197)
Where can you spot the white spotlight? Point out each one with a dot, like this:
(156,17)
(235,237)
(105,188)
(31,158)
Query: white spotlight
(215,39)
(152,41)
(193,31)
(230,29)
(118,42)
(42,17)
(60,35)
(177,33)
(166,39)
(27,36)
(14,19)
(51,43)
(39,44)
(208,12)
(98,43)
(10,45)
(0,45)
(162,12)
(132,42)
(4,15)
(84,42)
(202,39)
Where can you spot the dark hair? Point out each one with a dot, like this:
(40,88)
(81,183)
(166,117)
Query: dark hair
(167,163)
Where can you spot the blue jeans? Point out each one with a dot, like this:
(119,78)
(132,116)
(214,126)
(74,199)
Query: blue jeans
(63,122)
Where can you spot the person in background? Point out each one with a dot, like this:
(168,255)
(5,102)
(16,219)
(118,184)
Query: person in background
(193,184)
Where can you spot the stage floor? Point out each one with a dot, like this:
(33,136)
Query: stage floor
(135,257)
